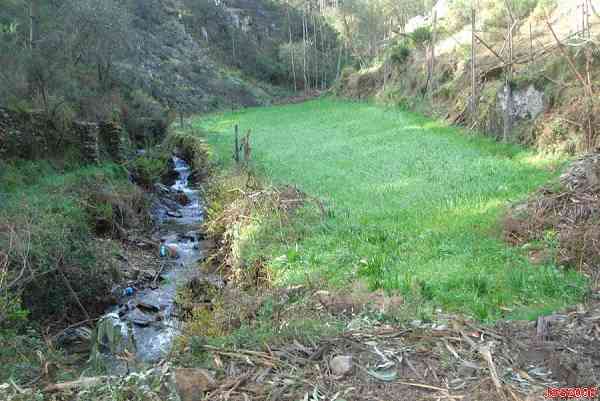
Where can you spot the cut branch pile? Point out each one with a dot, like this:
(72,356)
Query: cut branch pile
(454,361)
(569,213)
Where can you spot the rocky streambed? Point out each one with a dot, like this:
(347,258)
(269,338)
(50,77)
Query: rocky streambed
(140,330)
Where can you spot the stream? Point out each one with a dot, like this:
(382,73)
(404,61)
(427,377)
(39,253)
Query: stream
(141,329)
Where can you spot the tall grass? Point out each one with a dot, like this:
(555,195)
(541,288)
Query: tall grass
(414,205)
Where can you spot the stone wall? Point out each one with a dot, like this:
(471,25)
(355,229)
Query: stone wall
(29,135)
(88,137)
(25,135)
(525,105)
(111,140)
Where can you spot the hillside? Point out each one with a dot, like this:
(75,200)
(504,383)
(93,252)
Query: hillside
(547,109)
(94,59)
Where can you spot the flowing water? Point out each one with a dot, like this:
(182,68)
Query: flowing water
(142,328)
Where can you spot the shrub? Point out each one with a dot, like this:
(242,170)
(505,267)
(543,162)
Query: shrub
(145,119)
(400,53)
(47,241)
(193,149)
(543,7)
(149,168)
(422,36)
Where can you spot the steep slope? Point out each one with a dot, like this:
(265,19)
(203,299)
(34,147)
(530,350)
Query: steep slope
(546,105)
(172,66)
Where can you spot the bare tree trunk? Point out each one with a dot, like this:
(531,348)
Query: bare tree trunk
(586,83)
(324,61)
(304,33)
(432,56)
(233,44)
(530,43)
(473,66)
(339,62)
(587,17)
(316,61)
(508,85)
(34,15)
(291,48)
(72,291)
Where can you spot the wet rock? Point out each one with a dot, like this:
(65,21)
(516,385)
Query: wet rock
(74,336)
(140,318)
(181,198)
(191,384)
(147,274)
(149,302)
(170,204)
(162,189)
(174,214)
(123,310)
(148,307)
(170,177)
(141,275)
(193,236)
(341,365)
(112,335)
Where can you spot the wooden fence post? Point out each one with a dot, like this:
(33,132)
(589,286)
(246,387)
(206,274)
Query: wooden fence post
(236,151)
(247,148)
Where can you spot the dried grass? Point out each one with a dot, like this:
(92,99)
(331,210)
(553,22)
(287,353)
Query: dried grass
(240,201)
(570,212)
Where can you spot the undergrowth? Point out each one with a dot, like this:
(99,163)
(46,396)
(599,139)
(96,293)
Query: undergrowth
(57,226)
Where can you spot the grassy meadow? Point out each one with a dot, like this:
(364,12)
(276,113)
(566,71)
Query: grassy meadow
(413,206)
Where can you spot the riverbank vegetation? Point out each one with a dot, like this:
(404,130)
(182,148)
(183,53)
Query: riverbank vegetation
(58,259)
(70,235)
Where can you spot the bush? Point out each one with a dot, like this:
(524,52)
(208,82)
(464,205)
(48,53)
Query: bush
(400,53)
(422,36)
(47,240)
(145,119)
(193,149)
(149,168)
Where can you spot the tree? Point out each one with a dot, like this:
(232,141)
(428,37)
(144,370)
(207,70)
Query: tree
(98,33)
(34,16)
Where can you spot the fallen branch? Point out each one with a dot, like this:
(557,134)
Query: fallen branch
(72,326)
(488,47)
(162,267)
(569,59)
(81,383)
(71,290)
(484,350)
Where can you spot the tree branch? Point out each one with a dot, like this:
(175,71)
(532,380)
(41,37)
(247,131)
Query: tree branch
(488,47)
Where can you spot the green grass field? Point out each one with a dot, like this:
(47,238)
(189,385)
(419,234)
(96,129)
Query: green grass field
(415,205)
